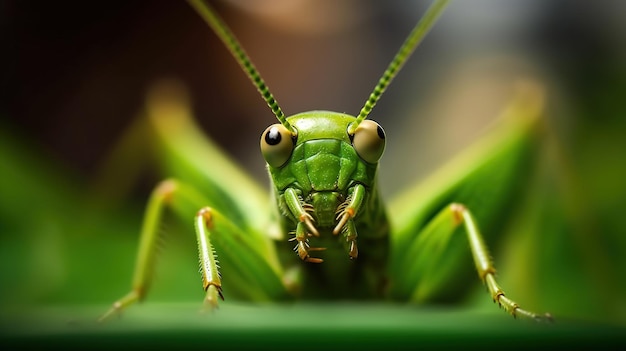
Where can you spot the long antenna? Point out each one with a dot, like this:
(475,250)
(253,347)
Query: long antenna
(224,33)
(407,48)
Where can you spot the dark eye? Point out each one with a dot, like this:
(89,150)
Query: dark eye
(276,145)
(369,141)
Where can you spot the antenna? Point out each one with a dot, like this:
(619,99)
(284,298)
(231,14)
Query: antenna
(231,42)
(407,48)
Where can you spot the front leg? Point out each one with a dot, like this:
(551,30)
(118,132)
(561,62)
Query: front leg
(304,227)
(345,215)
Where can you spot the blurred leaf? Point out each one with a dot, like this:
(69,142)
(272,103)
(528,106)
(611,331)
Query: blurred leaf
(300,326)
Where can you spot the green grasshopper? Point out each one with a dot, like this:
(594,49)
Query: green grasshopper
(323,166)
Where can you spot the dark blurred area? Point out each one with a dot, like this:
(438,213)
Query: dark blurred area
(79,73)
(76,74)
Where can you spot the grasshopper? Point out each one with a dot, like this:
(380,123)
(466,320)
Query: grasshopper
(324,197)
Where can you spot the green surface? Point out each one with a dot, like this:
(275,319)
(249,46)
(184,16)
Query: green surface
(297,327)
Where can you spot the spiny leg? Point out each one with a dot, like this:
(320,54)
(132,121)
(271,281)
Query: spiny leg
(258,275)
(484,264)
(345,215)
(305,226)
(211,280)
(254,273)
(144,264)
(261,280)
(424,263)
(302,247)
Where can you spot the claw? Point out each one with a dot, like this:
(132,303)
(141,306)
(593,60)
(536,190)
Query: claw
(307,219)
(213,292)
(114,310)
(121,304)
(539,318)
(354,251)
(303,252)
(346,215)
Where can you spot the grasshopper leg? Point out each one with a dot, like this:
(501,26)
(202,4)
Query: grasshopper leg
(211,280)
(425,262)
(245,252)
(485,267)
(304,227)
(144,264)
(345,216)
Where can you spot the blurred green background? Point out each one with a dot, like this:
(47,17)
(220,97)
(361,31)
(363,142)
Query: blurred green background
(76,75)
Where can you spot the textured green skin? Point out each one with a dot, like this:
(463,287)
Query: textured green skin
(323,168)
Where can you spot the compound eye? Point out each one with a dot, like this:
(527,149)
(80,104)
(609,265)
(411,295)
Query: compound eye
(369,141)
(276,145)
